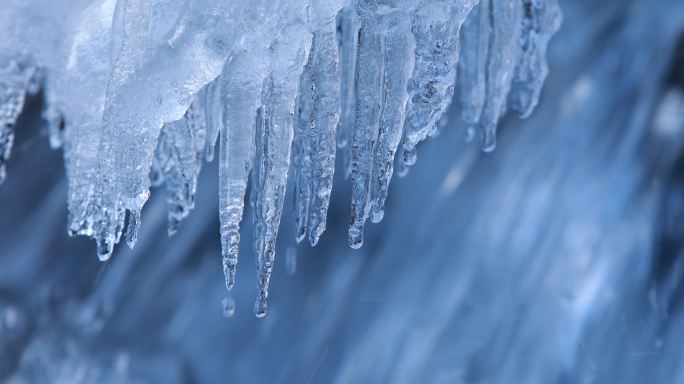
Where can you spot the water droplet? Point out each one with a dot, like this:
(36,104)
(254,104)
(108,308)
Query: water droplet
(228,304)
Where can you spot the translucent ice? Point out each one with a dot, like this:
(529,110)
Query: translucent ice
(18,75)
(557,258)
(139,91)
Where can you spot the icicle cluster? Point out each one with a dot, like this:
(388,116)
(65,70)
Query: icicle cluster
(139,91)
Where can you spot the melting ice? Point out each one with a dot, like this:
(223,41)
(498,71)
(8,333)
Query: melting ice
(138,92)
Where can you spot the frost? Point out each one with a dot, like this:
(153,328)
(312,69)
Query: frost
(138,92)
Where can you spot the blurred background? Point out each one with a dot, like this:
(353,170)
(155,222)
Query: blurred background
(558,258)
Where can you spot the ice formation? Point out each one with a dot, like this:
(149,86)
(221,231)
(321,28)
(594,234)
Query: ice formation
(139,91)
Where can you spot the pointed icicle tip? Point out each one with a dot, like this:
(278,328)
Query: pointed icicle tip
(104,249)
(355,237)
(229,261)
(377,215)
(314,238)
(260,307)
(488,140)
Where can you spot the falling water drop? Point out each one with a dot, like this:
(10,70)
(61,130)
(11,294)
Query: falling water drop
(228,304)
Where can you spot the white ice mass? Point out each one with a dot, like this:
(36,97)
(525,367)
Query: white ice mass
(139,91)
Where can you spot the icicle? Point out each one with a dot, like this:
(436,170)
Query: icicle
(185,56)
(472,65)
(326,107)
(505,15)
(179,160)
(165,77)
(385,63)
(240,90)
(119,146)
(348,41)
(87,53)
(258,180)
(314,156)
(144,88)
(399,49)
(540,22)
(318,115)
(274,140)
(302,148)
(369,96)
(436,27)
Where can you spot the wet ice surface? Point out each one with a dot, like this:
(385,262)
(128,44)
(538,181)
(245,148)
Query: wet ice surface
(138,91)
(554,258)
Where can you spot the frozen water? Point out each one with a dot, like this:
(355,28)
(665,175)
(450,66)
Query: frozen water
(139,91)
(556,258)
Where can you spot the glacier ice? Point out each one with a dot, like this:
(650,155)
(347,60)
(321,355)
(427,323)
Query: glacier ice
(138,93)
